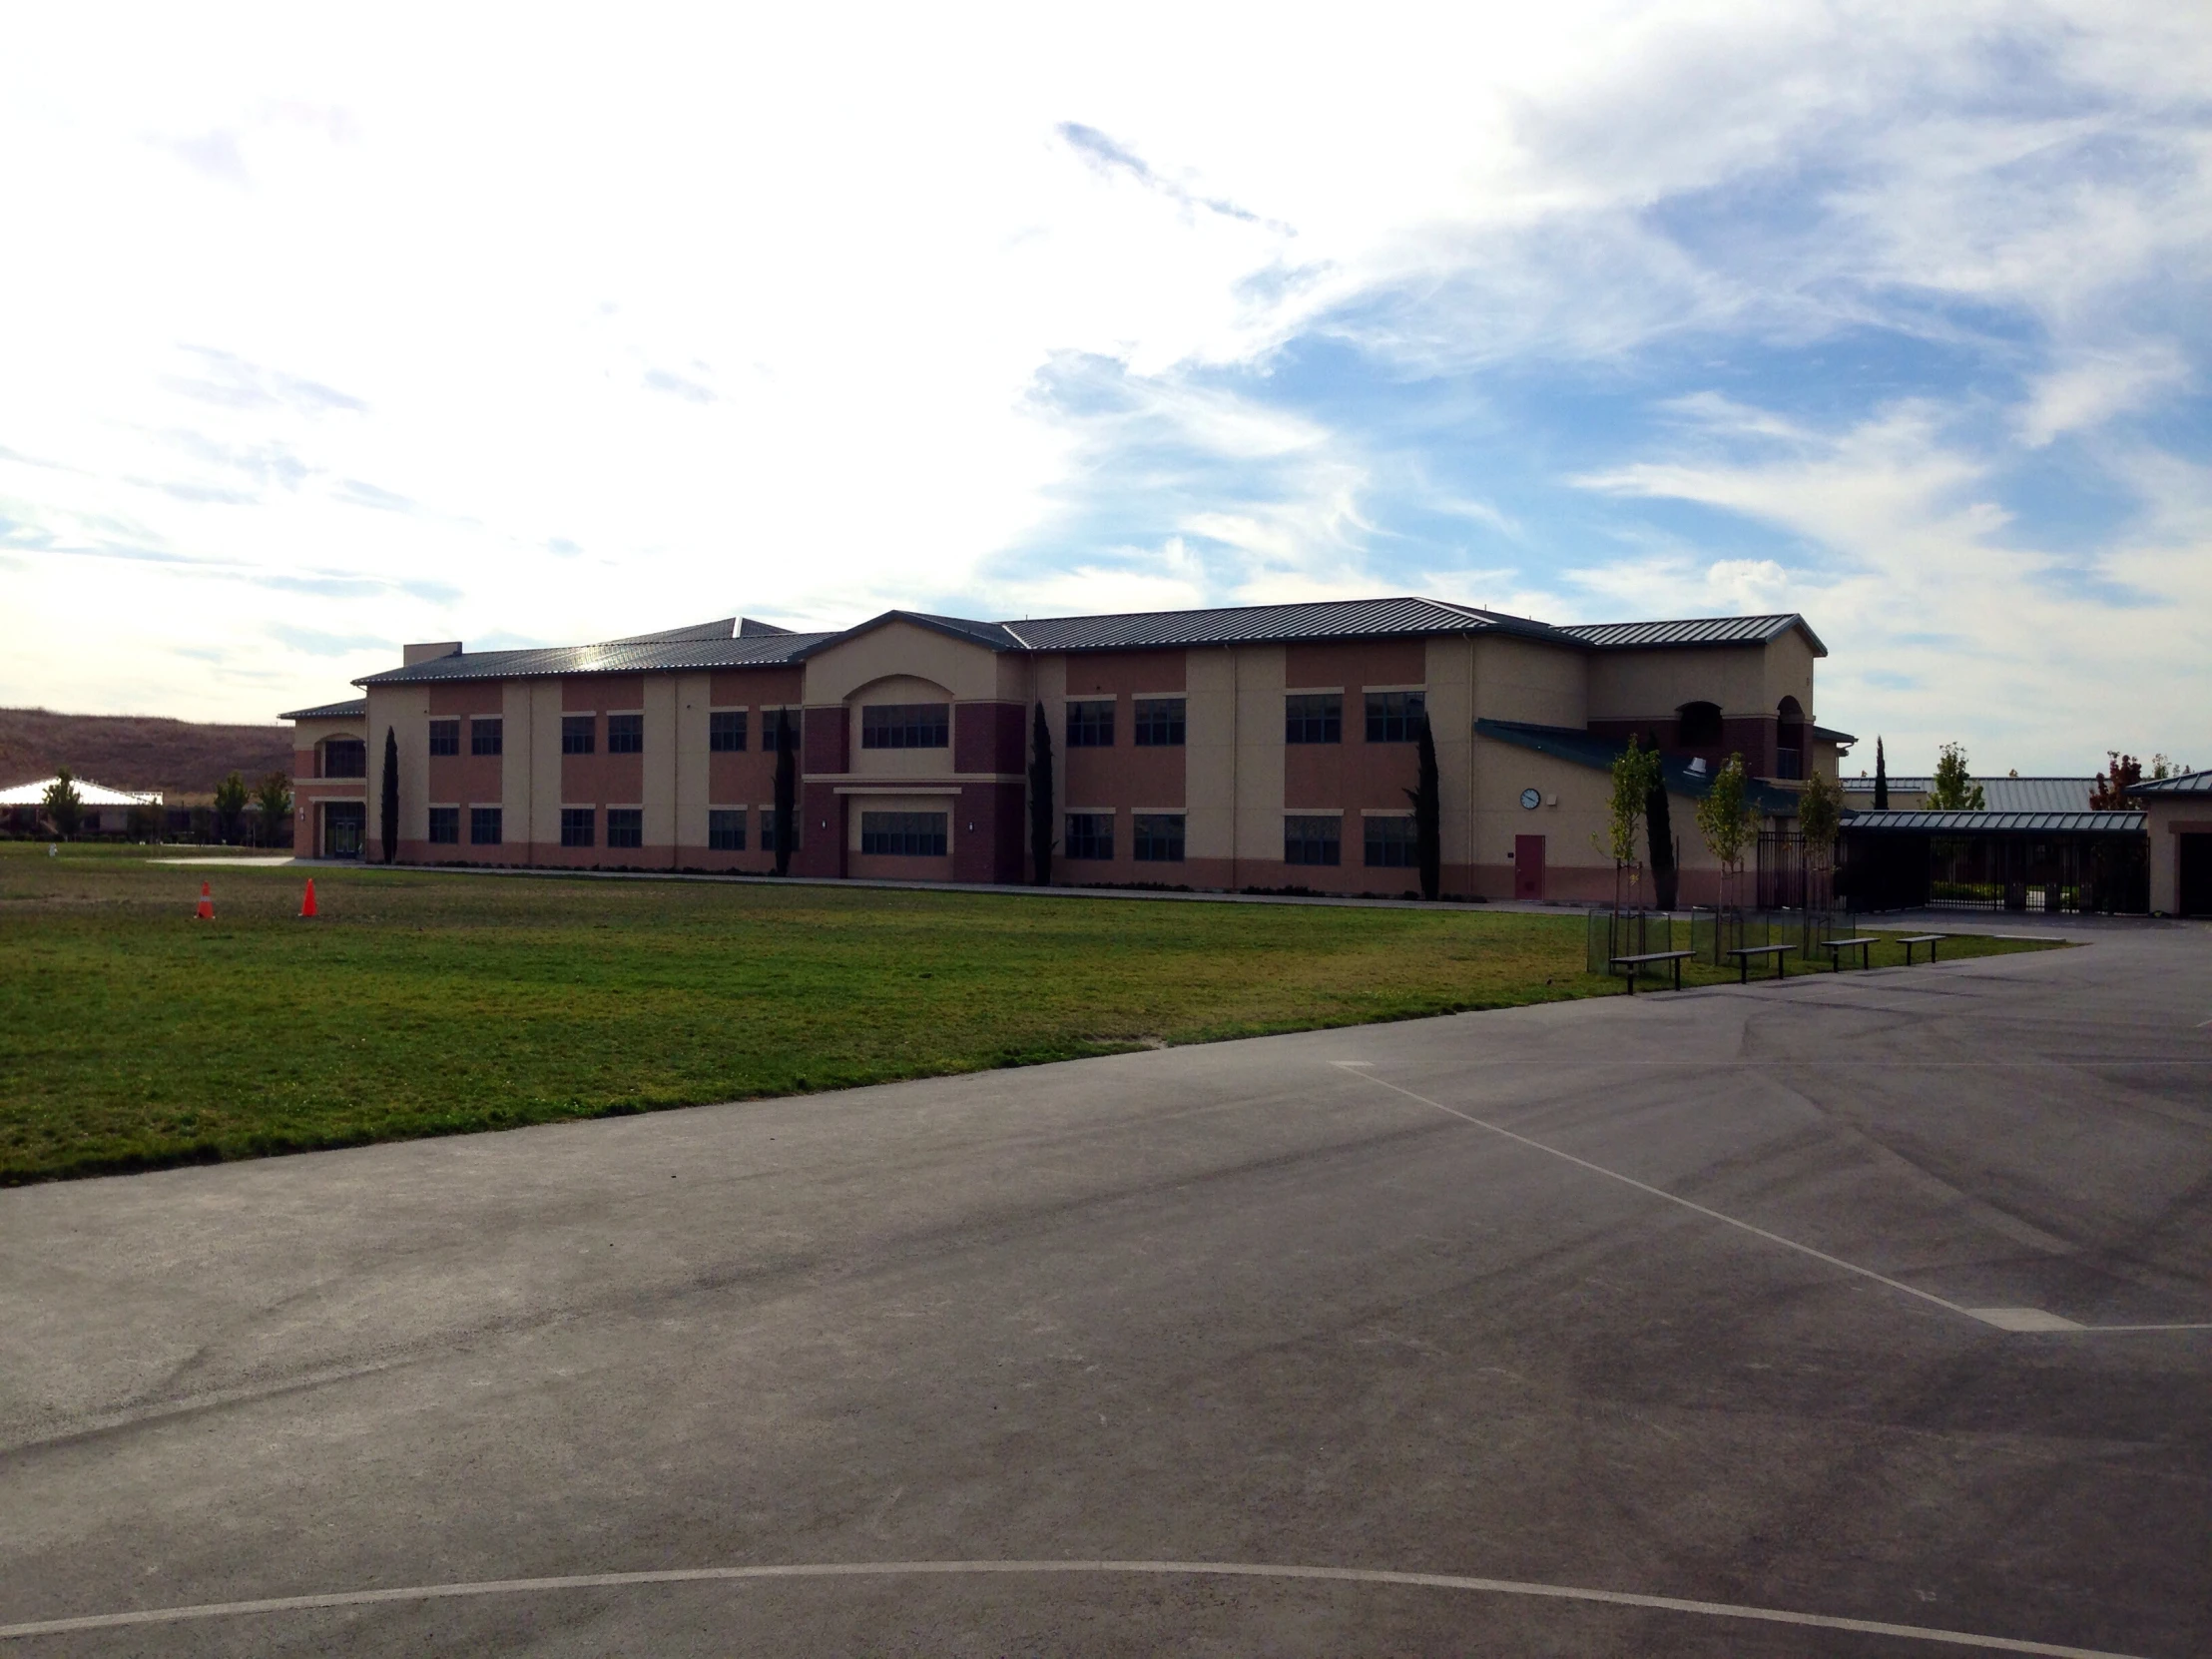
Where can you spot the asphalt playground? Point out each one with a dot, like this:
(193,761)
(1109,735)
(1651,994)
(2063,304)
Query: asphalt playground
(1864,1314)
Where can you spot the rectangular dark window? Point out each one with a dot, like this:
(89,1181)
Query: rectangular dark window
(1395,716)
(483,826)
(1158,837)
(577,733)
(577,826)
(906,725)
(1313,841)
(767,829)
(1314,717)
(445,825)
(1090,836)
(1159,723)
(725,827)
(625,736)
(487,737)
(1390,843)
(445,737)
(345,758)
(1091,722)
(725,731)
(624,826)
(907,834)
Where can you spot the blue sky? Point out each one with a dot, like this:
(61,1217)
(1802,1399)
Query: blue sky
(1895,316)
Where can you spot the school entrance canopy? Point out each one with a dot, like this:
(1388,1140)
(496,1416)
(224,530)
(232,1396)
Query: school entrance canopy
(2049,862)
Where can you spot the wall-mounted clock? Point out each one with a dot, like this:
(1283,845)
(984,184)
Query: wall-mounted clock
(1531,799)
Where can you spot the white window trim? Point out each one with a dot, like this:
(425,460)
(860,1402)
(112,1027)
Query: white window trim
(1159,811)
(1385,812)
(1313,811)
(1088,811)
(1313,691)
(625,711)
(1422,689)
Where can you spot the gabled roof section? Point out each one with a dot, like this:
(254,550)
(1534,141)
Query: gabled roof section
(1571,742)
(1996,823)
(752,628)
(1709,630)
(2188,783)
(992,636)
(355,708)
(1325,619)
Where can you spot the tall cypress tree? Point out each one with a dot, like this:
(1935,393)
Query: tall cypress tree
(787,789)
(1040,800)
(1659,827)
(1880,779)
(387,808)
(1428,797)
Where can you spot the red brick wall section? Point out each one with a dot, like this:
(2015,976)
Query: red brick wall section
(990,737)
(821,829)
(827,739)
(1355,662)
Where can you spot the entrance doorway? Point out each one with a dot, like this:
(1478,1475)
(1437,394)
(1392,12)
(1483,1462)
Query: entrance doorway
(1529,867)
(2195,896)
(344,826)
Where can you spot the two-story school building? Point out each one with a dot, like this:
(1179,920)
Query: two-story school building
(1260,747)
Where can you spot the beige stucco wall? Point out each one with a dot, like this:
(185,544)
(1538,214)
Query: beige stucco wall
(1256,765)
(663,761)
(1652,684)
(1516,678)
(1788,669)
(545,761)
(969,672)
(2161,813)
(405,712)
(1450,678)
(694,703)
(1209,751)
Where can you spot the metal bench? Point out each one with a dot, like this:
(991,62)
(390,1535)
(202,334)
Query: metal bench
(1744,953)
(1932,940)
(1864,947)
(1632,963)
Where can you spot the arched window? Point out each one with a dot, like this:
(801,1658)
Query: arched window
(1788,738)
(1698,724)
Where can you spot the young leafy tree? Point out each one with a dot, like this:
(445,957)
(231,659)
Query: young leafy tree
(1428,797)
(2111,795)
(1880,779)
(1820,816)
(274,796)
(1659,834)
(787,789)
(1951,789)
(1725,821)
(1634,770)
(387,805)
(1040,800)
(64,807)
(231,796)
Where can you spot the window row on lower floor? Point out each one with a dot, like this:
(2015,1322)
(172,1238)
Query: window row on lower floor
(1390,843)
(624,827)
(484,825)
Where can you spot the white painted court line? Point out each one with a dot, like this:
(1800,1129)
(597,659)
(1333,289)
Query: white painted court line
(2004,1318)
(1194,1569)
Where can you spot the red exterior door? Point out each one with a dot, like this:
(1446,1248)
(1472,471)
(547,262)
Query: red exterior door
(1529,867)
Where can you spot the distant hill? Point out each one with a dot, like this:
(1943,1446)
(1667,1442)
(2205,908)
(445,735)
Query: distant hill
(137,752)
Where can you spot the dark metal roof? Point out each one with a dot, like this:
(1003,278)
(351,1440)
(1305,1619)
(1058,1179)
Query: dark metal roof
(2188,783)
(1997,824)
(734,642)
(1822,734)
(1707,630)
(1571,742)
(2000,795)
(1326,619)
(614,656)
(352,709)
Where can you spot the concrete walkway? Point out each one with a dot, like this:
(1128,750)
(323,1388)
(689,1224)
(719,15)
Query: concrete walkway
(1741,1322)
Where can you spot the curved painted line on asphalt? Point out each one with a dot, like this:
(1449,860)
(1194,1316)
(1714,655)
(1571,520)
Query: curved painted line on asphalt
(1195,1570)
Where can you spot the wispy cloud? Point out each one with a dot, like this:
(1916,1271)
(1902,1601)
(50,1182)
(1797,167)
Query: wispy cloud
(1110,158)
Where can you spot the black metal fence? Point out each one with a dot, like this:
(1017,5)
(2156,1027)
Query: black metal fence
(2055,874)
(1708,934)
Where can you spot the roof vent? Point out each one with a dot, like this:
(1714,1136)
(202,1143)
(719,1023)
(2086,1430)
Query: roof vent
(1697,765)
(430,652)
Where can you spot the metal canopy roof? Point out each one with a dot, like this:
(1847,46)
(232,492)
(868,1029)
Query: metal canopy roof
(1997,824)
(2190,783)
(1570,743)
(355,708)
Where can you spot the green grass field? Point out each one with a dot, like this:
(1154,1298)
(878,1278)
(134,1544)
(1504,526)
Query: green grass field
(421,1003)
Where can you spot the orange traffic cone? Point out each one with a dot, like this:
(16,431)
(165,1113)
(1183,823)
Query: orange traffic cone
(205,912)
(307,905)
